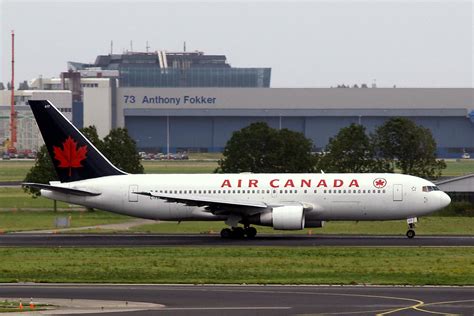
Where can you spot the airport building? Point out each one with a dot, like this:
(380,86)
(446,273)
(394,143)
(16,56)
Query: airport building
(28,135)
(203,119)
(193,102)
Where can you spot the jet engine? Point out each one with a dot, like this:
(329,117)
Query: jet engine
(288,217)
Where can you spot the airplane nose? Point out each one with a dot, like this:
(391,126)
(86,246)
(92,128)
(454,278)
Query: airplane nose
(444,200)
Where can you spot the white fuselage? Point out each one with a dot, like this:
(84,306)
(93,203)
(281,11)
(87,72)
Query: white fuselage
(324,196)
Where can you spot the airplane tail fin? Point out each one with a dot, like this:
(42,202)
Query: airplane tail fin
(73,155)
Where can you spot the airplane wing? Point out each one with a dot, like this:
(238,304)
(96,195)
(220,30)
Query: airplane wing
(213,205)
(64,190)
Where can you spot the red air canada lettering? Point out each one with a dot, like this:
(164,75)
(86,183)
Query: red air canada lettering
(288,183)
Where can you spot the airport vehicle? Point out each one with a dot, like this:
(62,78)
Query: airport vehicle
(282,201)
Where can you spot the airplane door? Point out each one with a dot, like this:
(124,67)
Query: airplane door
(132,197)
(397,192)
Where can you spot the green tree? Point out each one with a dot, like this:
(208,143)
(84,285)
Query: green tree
(90,132)
(42,171)
(121,150)
(409,147)
(262,149)
(351,150)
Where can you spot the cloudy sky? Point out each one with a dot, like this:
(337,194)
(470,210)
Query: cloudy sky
(306,43)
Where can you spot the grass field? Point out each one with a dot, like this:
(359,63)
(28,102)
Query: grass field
(17,199)
(263,265)
(16,170)
(427,226)
(34,220)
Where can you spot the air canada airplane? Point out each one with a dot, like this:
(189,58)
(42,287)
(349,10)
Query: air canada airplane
(281,201)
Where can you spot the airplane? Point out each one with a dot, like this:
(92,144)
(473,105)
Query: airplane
(281,201)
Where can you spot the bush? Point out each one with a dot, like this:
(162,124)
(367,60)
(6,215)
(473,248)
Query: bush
(460,208)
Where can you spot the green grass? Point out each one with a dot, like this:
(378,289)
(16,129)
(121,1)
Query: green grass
(8,306)
(179,166)
(434,225)
(16,170)
(459,167)
(17,199)
(268,265)
(34,220)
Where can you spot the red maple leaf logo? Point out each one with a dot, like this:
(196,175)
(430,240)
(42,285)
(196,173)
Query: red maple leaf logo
(70,156)
(380,183)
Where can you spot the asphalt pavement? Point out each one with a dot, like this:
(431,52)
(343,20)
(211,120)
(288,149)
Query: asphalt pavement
(129,240)
(261,300)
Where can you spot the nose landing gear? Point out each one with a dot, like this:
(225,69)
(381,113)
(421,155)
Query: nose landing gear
(411,227)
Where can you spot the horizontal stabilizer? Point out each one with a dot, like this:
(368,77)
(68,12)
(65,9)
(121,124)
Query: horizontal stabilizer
(53,188)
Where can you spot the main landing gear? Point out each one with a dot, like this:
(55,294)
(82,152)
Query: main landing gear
(411,227)
(239,232)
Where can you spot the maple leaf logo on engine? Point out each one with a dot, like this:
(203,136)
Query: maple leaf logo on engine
(70,156)
(380,183)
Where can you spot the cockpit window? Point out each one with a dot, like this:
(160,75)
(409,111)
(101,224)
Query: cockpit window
(430,188)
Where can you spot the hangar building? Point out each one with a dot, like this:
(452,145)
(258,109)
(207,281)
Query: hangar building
(203,119)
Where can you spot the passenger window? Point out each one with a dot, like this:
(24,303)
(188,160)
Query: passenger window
(339,191)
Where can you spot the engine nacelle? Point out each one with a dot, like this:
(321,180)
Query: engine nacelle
(282,217)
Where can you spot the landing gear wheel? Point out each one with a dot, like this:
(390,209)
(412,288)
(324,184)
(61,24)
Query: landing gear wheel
(250,232)
(226,233)
(410,233)
(238,232)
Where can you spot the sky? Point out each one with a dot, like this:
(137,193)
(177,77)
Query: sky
(306,43)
